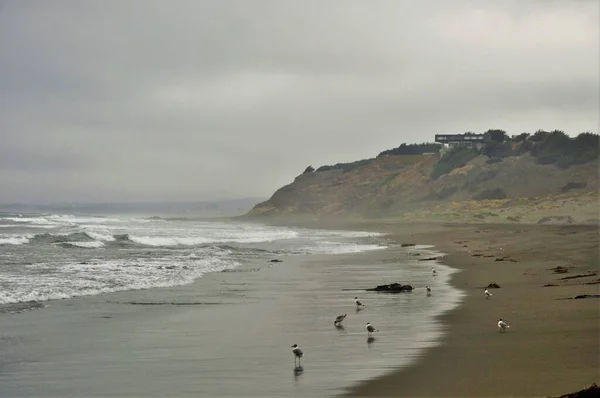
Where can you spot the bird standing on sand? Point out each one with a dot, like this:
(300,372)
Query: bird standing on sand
(502,325)
(433,271)
(339,319)
(370,329)
(428,290)
(297,354)
(359,305)
(488,294)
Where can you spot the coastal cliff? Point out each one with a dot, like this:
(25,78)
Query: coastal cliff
(542,181)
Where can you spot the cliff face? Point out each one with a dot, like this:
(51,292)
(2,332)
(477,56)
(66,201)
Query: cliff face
(401,186)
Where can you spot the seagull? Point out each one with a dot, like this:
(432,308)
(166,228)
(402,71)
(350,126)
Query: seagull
(370,329)
(488,294)
(358,303)
(433,271)
(428,290)
(502,325)
(339,319)
(297,354)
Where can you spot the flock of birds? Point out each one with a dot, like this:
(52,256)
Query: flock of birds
(298,354)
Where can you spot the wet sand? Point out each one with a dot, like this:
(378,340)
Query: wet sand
(552,346)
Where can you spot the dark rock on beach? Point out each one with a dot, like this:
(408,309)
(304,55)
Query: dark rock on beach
(505,259)
(391,288)
(592,391)
(276,261)
(493,285)
(408,244)
(578,276)
(585,296)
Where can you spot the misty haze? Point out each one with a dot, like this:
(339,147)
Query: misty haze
(299,198)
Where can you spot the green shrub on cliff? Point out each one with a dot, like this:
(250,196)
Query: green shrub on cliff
(456,157)
(345,167)
(412,149)
(499,150)
(558,148)
(496,193)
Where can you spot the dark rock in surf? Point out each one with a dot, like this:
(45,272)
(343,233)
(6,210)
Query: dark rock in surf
(584,296)
(408,244)
(276,261)
(391,288)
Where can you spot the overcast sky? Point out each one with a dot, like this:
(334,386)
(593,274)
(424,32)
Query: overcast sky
(199,100)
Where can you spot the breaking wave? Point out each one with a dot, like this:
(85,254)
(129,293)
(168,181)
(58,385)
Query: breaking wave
(13,240)
(84,245)
(96,277)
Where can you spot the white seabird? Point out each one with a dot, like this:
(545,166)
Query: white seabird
(428,290)
(358,303)
(370,329)
(339,319)
(502,325)
(488,294)
(297,354)
(433,271)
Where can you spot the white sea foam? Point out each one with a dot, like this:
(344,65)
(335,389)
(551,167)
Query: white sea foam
(83,279)
(100,236)
(225,236)
(86,245)
(79,220)
(326,247)
(14,240)
(49,226)
(167,241)
(30,220)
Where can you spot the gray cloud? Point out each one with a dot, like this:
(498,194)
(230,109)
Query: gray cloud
(153,100)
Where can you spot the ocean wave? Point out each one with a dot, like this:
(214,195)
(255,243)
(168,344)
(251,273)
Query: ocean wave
(27,226)
(167,241)
(337,248)
(62,238)
(30,220)
(72,219)
(96,277)
(101,237)
(84,245)
(14,240)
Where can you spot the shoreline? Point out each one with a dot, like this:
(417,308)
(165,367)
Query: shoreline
(554,348)
(551,349)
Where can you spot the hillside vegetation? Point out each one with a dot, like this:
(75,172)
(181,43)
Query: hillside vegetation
(501,181)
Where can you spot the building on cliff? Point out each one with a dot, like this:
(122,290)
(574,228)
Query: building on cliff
(471,140)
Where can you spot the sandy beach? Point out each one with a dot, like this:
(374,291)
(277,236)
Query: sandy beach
(552,346)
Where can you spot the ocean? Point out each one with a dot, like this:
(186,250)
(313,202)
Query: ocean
(156,306)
